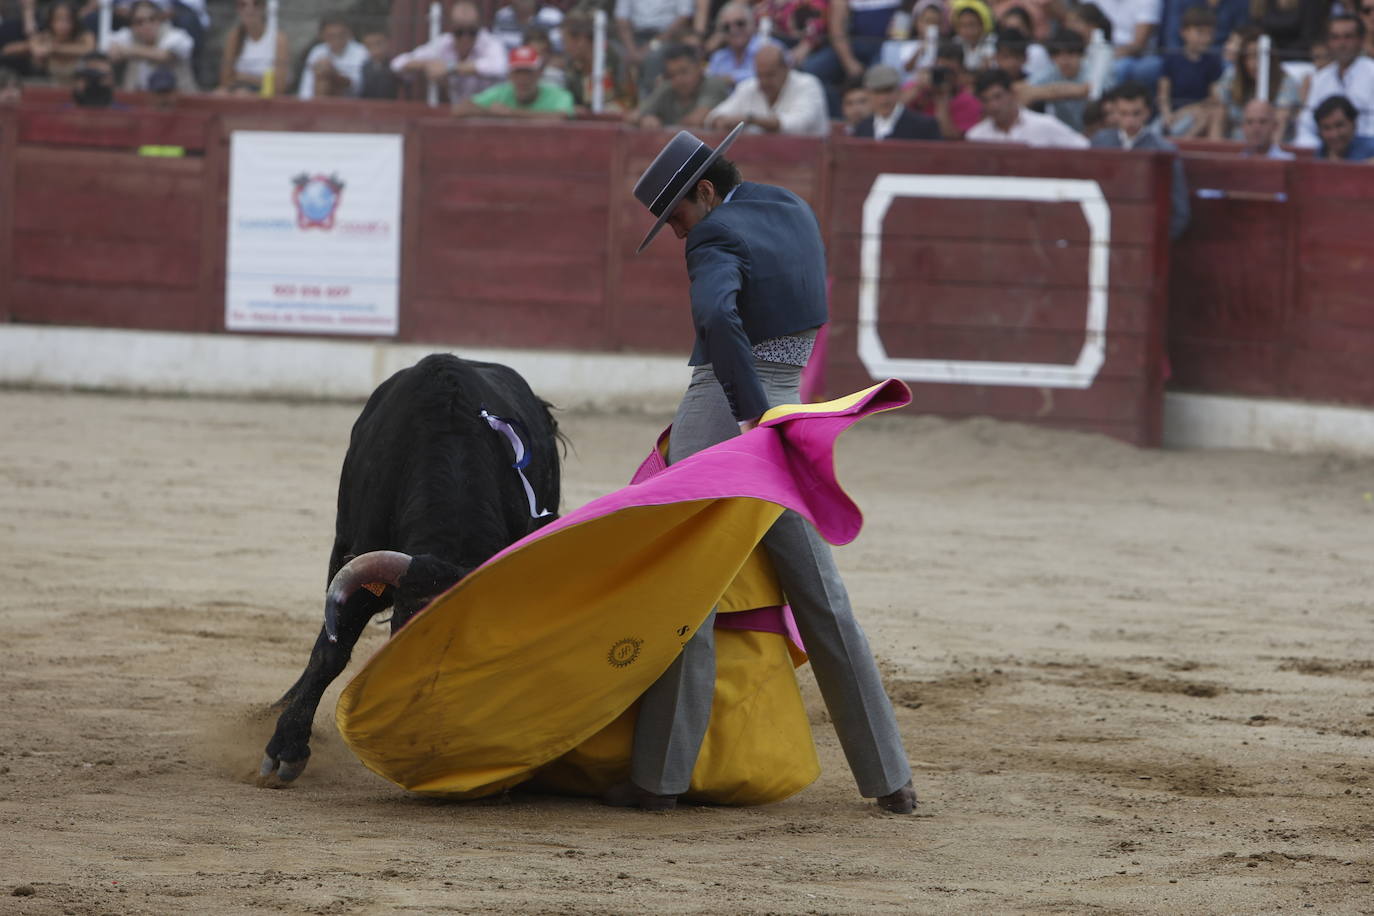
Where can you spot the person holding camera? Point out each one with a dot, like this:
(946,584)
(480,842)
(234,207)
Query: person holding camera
(943,92)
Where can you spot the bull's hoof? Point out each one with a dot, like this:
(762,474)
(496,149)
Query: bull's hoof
(274,773)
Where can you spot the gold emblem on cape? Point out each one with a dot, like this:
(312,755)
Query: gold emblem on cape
(624,652)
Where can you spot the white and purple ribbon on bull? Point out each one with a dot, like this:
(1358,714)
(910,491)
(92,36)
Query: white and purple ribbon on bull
(512,431)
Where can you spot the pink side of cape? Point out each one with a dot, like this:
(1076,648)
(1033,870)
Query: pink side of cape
(789,460)
(774,618)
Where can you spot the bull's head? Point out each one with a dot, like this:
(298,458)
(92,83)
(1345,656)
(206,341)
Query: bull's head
(425,577)
(385,567)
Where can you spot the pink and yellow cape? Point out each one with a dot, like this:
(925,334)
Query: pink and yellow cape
(529,669)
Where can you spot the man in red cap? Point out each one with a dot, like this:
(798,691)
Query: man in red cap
(523,95)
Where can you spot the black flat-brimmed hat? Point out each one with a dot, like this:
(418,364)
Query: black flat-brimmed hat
(673,173)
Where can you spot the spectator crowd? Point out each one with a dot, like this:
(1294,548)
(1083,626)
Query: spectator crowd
(1269,75)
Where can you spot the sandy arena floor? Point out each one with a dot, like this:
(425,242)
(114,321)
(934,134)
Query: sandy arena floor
(1129,682)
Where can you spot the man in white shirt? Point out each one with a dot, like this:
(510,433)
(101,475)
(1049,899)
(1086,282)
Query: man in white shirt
(1007,122)
(1350,74)
(149,44)
(467,58)
(334,67)
(776,100)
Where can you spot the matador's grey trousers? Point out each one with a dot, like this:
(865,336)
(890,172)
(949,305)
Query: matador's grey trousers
(676,710)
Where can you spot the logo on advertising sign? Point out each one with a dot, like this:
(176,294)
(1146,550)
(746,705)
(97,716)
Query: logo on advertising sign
(317,199)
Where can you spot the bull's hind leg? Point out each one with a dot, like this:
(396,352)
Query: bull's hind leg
(289,750)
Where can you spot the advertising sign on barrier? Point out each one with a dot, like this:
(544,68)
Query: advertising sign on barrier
(314,234)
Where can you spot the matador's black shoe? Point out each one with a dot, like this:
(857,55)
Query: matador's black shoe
(629,795)
(903,801)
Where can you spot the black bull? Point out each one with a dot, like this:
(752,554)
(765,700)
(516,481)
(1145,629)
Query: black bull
(429,481)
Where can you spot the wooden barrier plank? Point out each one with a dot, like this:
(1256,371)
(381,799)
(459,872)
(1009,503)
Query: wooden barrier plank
(127,129)
(56,210)
(1332,181)
(168,263)
(1107,401)
(1221,289)
(1227,367)
(1344,266)
(1008,345)
(1335,337)
(1235,174)
(1125,362)
(214,227)
(1110,400)
(1121,176)
(414,200)
(1060,308)
(134,305)
(614,311)
(524,323)
(495,148)
(446,189)
(108,171)
(9,131)
(509,275)
(1333,376)
(1330,300)
(1338,223)
(1011,264)
(1133,222)
(531,229)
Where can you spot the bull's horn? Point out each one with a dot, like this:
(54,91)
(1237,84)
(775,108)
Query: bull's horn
(385,566)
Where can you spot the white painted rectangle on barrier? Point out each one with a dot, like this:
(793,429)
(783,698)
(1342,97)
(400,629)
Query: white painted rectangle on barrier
(314,233)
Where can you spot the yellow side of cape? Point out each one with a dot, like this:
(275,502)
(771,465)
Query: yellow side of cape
(532,655)
(758,747)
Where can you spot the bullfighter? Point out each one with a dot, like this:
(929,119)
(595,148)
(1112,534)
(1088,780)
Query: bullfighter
(756,266)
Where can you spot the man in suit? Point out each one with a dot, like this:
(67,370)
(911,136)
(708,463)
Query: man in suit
(891,120)
(1131,108)
(756,264)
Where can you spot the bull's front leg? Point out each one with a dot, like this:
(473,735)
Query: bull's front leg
(289,749)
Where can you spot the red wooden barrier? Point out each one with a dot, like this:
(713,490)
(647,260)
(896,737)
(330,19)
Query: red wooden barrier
(1006,281)
(524,236)
(1268,293)
(9,130)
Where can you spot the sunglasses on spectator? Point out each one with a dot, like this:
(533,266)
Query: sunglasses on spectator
(464,31)
(735,24)
(139,20)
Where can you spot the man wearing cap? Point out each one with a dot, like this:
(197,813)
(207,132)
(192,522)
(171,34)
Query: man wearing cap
(522,95)
(756,264)
(890,118)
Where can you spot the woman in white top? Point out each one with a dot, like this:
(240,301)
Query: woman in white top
(251,50)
